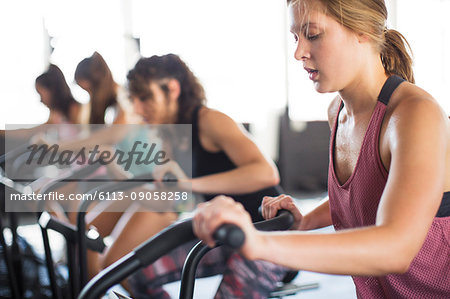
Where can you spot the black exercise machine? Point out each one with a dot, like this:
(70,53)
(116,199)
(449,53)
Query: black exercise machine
(11,253)
(167,240)
(69,232)
(17,158)
(123,185)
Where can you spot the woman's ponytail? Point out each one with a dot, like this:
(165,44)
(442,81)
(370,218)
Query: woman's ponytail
(395,55)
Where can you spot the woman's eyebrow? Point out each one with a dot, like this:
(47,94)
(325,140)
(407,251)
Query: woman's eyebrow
(300,28)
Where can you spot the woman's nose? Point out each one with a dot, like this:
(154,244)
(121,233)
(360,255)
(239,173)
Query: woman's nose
(302,51)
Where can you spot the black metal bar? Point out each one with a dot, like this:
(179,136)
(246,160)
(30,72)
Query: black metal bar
(227,234)
(282,221)
(9,266)
(56,292)
(81,222)
(97,286)
(157,246)
(16,251)
(189,269)
(82,248)
(73,270)
(69,232)
(147,253)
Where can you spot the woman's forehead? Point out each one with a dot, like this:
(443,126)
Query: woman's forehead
(305,14)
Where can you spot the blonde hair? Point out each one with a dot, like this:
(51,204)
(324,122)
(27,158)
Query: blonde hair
(369,17)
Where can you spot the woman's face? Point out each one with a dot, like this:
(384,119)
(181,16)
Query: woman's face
(156,108)
(328,50)
(45,94)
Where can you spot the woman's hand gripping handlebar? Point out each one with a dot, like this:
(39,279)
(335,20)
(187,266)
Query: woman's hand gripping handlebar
(225,221)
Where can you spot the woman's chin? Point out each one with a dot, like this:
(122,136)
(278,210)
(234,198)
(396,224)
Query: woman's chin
(320,88)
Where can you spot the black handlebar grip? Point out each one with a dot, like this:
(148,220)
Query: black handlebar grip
(282,221)
(230,235)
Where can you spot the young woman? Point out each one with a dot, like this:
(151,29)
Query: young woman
(108,100)
(56,95)
(389,174)
(224,161)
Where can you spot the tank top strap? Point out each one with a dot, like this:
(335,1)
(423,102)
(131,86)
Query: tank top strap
(386,91)
(388,88)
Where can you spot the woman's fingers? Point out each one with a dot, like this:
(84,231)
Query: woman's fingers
(289,204)
(209,216)
(271,205)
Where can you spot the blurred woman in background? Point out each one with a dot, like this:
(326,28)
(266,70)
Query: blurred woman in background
(56,95)
(108,100)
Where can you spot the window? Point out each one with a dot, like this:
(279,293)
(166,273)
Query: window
(22,58)
(235,47)
(242,51)
(60,32)
(426,26)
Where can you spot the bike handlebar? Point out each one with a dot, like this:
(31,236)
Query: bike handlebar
(168,239)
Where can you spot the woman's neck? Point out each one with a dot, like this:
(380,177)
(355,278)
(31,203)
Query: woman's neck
(56,117)
(361,94)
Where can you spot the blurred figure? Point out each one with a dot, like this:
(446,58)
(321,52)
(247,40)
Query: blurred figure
(108,100)
(56,95)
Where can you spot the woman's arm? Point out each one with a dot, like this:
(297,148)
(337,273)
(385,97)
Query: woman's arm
(418,143)
(319,217)
(254,171)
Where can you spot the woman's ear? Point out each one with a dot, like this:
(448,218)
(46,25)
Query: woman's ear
(174,89)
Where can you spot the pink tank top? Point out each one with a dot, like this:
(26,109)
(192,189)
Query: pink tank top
(355,203)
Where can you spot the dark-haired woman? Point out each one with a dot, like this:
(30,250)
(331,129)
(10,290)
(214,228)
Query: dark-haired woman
(56,95)
(108,101)
(224,161)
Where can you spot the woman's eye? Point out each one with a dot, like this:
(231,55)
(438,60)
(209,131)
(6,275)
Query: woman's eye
(312,37)
(296,38)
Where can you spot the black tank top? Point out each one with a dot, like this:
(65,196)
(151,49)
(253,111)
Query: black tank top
(206,163)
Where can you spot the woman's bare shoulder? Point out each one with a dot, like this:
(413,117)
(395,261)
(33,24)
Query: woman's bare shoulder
(211,120)
(414,103)
(412,109)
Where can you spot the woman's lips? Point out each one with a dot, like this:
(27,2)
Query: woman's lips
(312,73)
